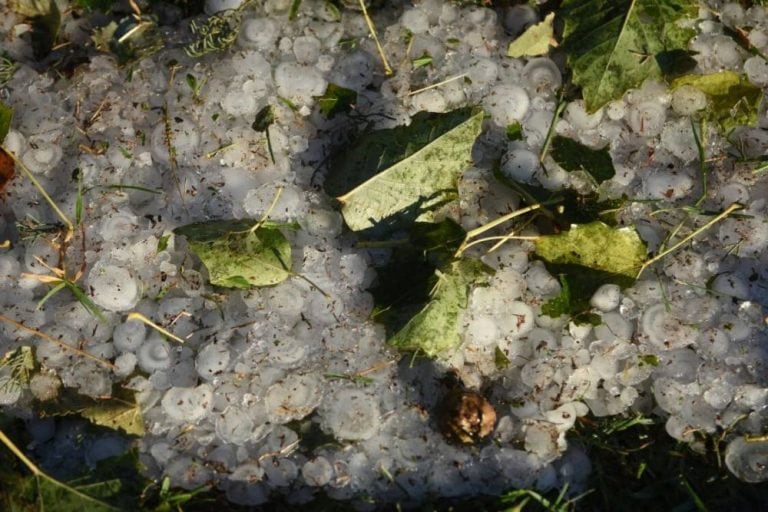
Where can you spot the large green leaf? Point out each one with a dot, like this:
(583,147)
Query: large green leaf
(404,172)
(733,100)
(612,44)
(237,256)
(435,329)
(595,246)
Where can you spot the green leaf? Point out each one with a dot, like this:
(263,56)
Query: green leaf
(733,100)
(335,100)
(162,243)
(237,256)
(117,413)
(423,61)
(515,131)
(574,156)
(535,41)
(405,172)
(575,304)
(560,305)
(435,329)
(6,115)
(264,118)
(611,44)
(500,359)
(597,246)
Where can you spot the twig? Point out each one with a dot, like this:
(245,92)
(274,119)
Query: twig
(387,68)
(59,343)
(438,84)
(734,207)
(147,321)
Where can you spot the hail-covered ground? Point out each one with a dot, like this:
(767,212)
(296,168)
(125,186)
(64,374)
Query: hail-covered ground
(258,371)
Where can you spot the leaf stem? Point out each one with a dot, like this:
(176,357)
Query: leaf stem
(20,455)
(551,131)
(734,207)
(438,84)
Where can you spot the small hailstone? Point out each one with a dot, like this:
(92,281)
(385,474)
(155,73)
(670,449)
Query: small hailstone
(507,104)
(606,298)
(415,20)
(43,158)
(687,100)
(317,472)
(306,49)
(293,398)
(748,459)
(520,165)
(188,405)
(154,354)
(259,33)
(294,80)
(351,414)
(129,336)
(542,75)
(212,359)
(647,118)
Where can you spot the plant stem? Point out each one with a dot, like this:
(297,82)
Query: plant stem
(387,68)
(49,200)
(20,455)
(551,131)
(141,318)
(726,213)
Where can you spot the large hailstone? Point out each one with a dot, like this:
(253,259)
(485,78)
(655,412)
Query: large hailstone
(352,415)
(188,405)
(748,460)
(293,398)
(113,287)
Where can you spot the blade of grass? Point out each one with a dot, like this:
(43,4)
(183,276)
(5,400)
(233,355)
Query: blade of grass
(372,29)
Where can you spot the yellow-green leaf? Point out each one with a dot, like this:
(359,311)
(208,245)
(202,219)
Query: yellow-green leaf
(237,256)
(596,246)
(535,41)
(733,100)
(116,413)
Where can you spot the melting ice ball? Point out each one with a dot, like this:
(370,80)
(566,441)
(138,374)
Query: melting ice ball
(114,288)
(748,460)
(352,415)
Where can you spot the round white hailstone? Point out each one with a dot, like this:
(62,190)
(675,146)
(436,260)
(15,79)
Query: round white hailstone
(154,354)
(552,177)
(306,49)
(751,235)
(186,140)
(577,116)
(188,405)
(748,460)
(354,269)
(581,384)
(51,354)
(288,351)
(113,287)
(125,364)
(542,75)
(671,185)
(429,101)
(43,158)
(606,298)
(517,319)
(719,395)
(415,20)
(287,300)
(235,426)
(614,327)
(484,72)
(616,110)
(245,99)
(647,118)
(321,222)
(290,205)
(665,331)
(129,335)
(317,472)
(678,138)
(188,472)
(212,359)
(293,398)
(507,104)
(297,81)
(117,226)
(44,386)
(520,165)
(351,414)
(731,285)
(565,416)
(482,330)
(540,282)
(732,193)
(732,15)
(687,100)
(509,280)
(14,142)
(9,269)
(518,18)
(214,6)
(727,52)
(259,33)
(758,37)
(670,394)
(713,343)
(541,439)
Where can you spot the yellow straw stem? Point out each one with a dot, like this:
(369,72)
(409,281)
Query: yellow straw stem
(372,29)
(147,321)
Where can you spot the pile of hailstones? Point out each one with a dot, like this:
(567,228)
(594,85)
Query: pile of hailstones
(236,404)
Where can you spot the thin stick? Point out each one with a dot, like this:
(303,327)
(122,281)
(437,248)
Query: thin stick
(19,454)
(59,343)
(726,213)
(501,240)
(147,321)
(550,132)
(501,220)
(372,29)
(39,187)
(438,84)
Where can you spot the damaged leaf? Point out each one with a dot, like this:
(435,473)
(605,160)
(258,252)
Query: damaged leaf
(535,41)
(238,256)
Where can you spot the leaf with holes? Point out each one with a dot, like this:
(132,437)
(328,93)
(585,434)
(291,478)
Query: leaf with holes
(238,256)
